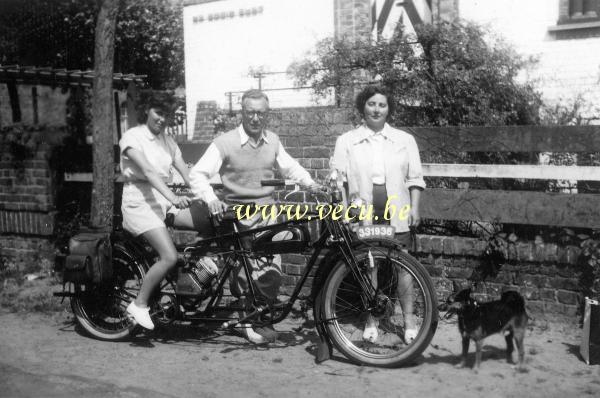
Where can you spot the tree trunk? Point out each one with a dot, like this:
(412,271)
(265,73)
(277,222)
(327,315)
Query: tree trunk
(103,117)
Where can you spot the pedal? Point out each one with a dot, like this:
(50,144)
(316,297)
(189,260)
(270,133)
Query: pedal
(230,324)
(131,319)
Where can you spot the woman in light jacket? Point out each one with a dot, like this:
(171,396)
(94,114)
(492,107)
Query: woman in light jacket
(381,165)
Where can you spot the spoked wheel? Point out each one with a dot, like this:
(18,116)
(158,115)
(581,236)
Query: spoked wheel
(101,309)
(401,297)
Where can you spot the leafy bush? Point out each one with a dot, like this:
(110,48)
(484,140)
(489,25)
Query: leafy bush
(450,74)
(60,33)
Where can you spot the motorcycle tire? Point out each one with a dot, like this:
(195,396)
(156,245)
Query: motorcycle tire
(345,312)
(100,309)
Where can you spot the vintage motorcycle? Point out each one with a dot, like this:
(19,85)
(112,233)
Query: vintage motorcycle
(103,273)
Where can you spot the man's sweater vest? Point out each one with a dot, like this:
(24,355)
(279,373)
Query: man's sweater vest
(245,166)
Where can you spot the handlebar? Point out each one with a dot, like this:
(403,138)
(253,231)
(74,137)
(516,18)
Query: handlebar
(185,188)
(277,182)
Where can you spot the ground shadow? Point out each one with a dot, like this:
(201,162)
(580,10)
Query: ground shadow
(574,349)
(488,352)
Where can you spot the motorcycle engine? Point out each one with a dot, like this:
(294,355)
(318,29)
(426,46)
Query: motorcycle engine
(195,277)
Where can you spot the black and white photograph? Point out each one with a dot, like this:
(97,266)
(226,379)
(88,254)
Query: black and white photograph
(299,198)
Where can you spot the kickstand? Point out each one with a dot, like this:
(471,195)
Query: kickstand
(324,347)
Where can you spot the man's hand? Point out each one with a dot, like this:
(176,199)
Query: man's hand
(182,202)
(332,177)
(216,208)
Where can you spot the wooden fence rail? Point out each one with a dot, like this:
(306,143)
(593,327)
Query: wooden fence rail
(521,207)
(503,206)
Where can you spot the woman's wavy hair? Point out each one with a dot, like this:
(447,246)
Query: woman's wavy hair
(368,92)
(157,99)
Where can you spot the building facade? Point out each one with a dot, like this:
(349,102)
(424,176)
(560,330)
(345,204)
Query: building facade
(563,35)
(234,45)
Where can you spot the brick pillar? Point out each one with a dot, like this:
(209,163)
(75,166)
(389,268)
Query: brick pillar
(352,19)
(204,128)
(353,22)
(444,10)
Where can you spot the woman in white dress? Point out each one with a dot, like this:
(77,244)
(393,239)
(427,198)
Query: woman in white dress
(146,157)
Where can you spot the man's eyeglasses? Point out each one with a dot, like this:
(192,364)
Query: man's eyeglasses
(252,114)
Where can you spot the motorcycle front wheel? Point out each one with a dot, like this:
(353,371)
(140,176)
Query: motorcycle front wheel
(100,309)
(348,309)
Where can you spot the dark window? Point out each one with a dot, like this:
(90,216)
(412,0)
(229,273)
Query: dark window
(577,19)
(575,11)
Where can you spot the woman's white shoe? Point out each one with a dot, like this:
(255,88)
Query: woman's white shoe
(410,335)
(371,333)
(141,315)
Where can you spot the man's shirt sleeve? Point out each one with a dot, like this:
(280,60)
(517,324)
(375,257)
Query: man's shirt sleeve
(291,169)
(200,175)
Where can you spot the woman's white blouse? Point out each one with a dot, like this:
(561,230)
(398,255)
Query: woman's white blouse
(160,151)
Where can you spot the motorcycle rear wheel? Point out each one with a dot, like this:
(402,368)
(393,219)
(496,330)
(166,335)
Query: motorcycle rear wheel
(100,309)
(345,313)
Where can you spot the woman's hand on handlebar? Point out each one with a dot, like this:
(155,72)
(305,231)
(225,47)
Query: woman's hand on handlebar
(182,202)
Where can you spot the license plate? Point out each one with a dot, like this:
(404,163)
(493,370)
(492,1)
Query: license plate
(375,231)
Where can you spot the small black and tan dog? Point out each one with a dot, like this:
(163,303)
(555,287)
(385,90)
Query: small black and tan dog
(478,320)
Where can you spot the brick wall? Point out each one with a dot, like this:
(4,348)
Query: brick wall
(309,134)
(546,274)
(26,194)
(203,123)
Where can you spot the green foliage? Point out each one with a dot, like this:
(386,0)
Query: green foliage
(48,33)
(60,33)
(149,40)
(451,74)
(224,121)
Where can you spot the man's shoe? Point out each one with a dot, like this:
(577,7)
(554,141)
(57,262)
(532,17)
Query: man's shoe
(268,333)
(251,335)
(140,315)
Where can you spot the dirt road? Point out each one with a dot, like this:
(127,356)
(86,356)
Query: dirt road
(46,356)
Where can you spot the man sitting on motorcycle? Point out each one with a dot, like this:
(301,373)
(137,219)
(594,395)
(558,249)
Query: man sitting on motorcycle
(243,157)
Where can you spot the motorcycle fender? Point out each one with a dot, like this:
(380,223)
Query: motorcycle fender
(135,250)
(325,266)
